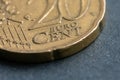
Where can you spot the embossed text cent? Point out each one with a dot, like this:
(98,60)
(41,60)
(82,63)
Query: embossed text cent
(45,30)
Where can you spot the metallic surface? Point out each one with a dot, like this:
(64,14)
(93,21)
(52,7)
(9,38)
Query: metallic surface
(48,29)
(99,61)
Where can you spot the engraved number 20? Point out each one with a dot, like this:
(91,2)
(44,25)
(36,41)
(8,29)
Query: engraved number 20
(68,9)
(72,9)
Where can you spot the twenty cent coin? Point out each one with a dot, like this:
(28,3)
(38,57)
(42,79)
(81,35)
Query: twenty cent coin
(45,30)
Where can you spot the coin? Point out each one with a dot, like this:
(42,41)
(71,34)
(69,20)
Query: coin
(46,30)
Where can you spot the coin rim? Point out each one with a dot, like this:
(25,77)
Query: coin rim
(96,25)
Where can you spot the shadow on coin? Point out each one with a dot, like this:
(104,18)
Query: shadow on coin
(24,65)
(7,60)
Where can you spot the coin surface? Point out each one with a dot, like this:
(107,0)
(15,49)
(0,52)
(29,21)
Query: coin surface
(44,30)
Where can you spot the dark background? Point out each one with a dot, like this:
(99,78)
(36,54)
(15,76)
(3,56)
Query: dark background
(99,61)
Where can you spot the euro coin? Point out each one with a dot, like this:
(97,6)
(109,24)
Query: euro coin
(46,30)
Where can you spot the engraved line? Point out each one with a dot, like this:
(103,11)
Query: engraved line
(68,11)
(17,34)
(1,39)
(4,32)
(44,26)
(23,32)
(11,34)
(47,11)
(88,4)
(2,42)
(15,21)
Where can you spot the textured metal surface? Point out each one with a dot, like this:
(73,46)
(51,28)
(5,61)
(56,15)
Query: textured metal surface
(100,61)
(56,29)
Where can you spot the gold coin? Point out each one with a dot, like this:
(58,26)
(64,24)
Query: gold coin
(45,30)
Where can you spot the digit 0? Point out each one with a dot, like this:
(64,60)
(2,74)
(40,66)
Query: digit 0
(73,9)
